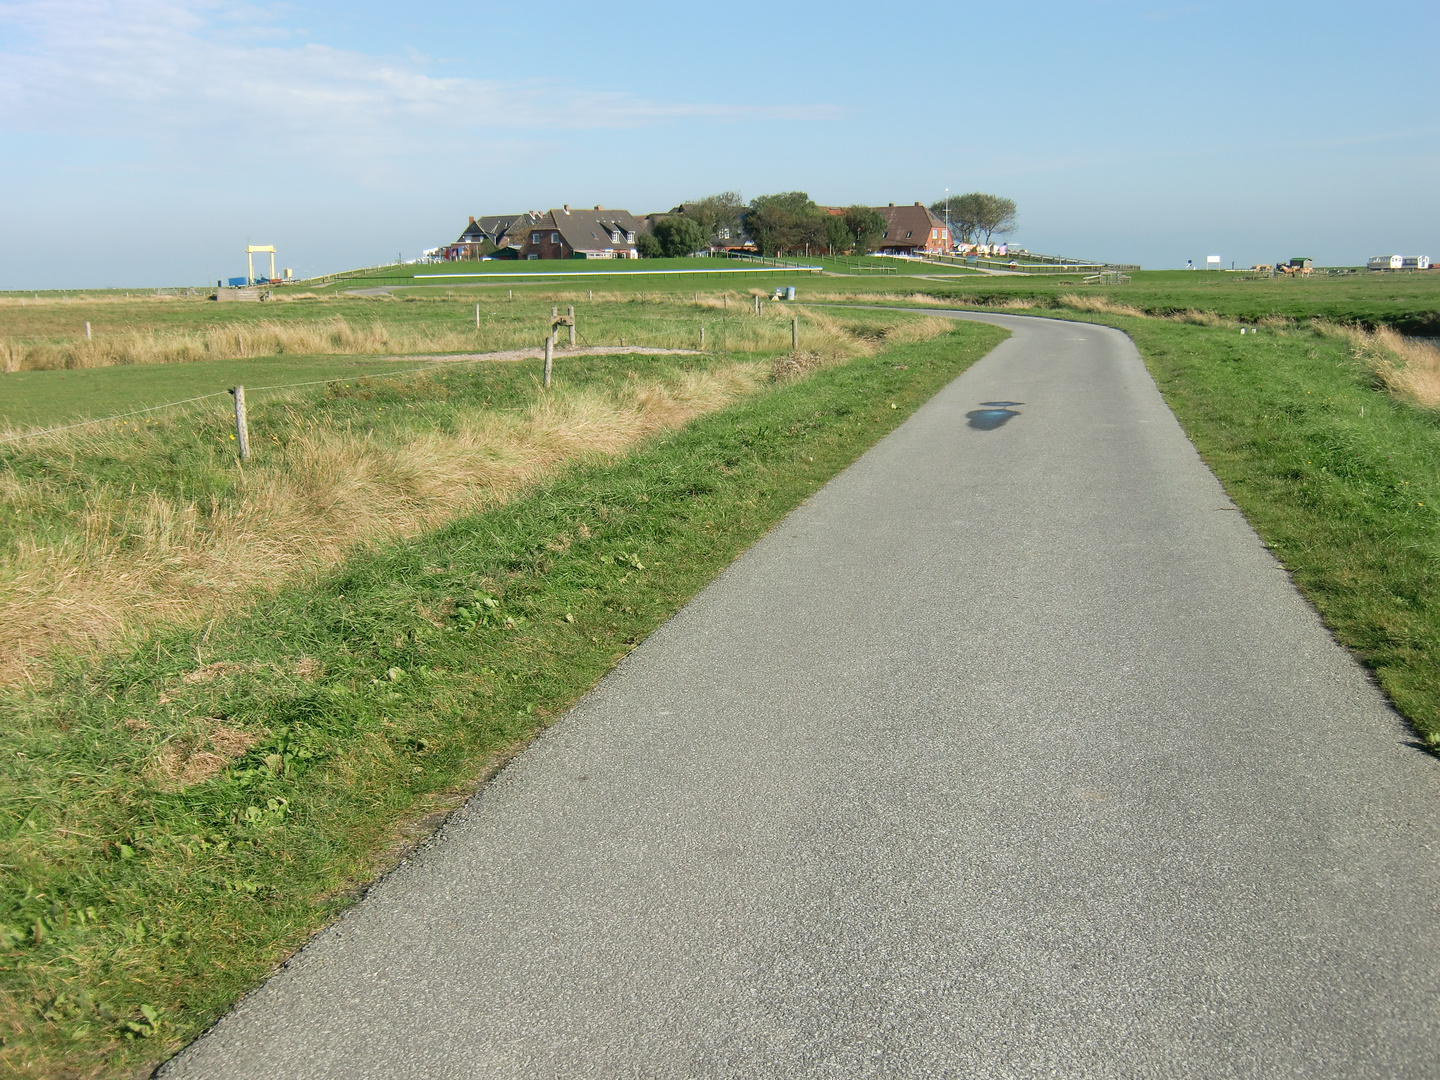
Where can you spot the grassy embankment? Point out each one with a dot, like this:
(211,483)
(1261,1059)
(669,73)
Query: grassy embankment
(1338,474)
(50,335)
(180,815)
(1409,303)
(123,525)
(1297,422)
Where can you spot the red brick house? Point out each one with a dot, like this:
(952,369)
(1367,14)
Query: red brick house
(912,230)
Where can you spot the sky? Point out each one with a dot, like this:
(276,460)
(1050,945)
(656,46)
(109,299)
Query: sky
(146,142)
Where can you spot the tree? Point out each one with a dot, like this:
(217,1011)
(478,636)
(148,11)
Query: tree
(865,226)
(977,213)
(717,212)
(786,222)
(680,235)
(837,236)
(648,246)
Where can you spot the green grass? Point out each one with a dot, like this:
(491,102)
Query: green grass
(654,272)
(1408,302)
(843,264)
(121,896)
(134,916)
(190,456)
(35,398)
(415,320)
(1340,480)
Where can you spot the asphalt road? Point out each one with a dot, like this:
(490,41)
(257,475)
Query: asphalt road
(1012,753)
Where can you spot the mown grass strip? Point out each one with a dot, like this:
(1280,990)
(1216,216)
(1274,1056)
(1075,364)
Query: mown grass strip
(1339,478)
(141,900)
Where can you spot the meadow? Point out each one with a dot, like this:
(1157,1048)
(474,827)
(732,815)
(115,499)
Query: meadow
(187,800)
(233,695)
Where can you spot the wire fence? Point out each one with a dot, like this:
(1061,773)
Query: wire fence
(205,397)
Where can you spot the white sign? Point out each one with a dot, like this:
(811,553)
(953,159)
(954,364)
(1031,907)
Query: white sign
(1212,259)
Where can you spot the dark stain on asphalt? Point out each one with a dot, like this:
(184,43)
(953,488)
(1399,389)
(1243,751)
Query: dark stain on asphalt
(991,414)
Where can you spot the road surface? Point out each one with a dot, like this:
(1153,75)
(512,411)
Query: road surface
(1012,753)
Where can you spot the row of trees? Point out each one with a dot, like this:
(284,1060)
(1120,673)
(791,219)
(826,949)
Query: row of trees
(792,222)
(975,215)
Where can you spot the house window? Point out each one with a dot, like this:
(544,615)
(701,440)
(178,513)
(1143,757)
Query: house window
(536,237)
(909,234)
(934,234)
(554,237)
(885,235)
(724,234)
(629,237)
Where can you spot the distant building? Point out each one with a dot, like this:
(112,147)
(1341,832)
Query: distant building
(1399,262)
(575,234)
(554,234)
(912,230)
(483,235)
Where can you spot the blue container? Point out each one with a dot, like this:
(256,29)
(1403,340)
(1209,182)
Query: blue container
(790,292)
(239,282)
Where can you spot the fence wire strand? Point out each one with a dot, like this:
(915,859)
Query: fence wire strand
(206,397)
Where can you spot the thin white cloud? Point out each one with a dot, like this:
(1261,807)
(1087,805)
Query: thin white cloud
(213,74)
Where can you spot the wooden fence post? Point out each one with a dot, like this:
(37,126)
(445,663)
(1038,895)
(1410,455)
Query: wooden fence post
(795,332)
(549,357)
(87,331)
(572,325)
(477,316)
(242,429)
(702,337)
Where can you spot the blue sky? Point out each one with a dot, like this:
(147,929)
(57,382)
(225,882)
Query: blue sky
(146,142)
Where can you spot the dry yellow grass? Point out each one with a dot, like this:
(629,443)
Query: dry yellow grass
(829,339)
(611,320)
(1100,305)
(136,560)
(195,758)
(139,561)
(1409,369)
(878,298)
(266,337)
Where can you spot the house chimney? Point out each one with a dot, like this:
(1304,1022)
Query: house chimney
(567,208)
(917,202)
(892,204)
(599,208)
(472,219)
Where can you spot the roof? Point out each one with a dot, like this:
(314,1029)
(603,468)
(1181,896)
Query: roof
(593,230)
(915,220)
(491,227)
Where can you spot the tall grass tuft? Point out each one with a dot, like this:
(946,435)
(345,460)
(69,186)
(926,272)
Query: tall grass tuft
(1410,369)
(265,337)
(117,560)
